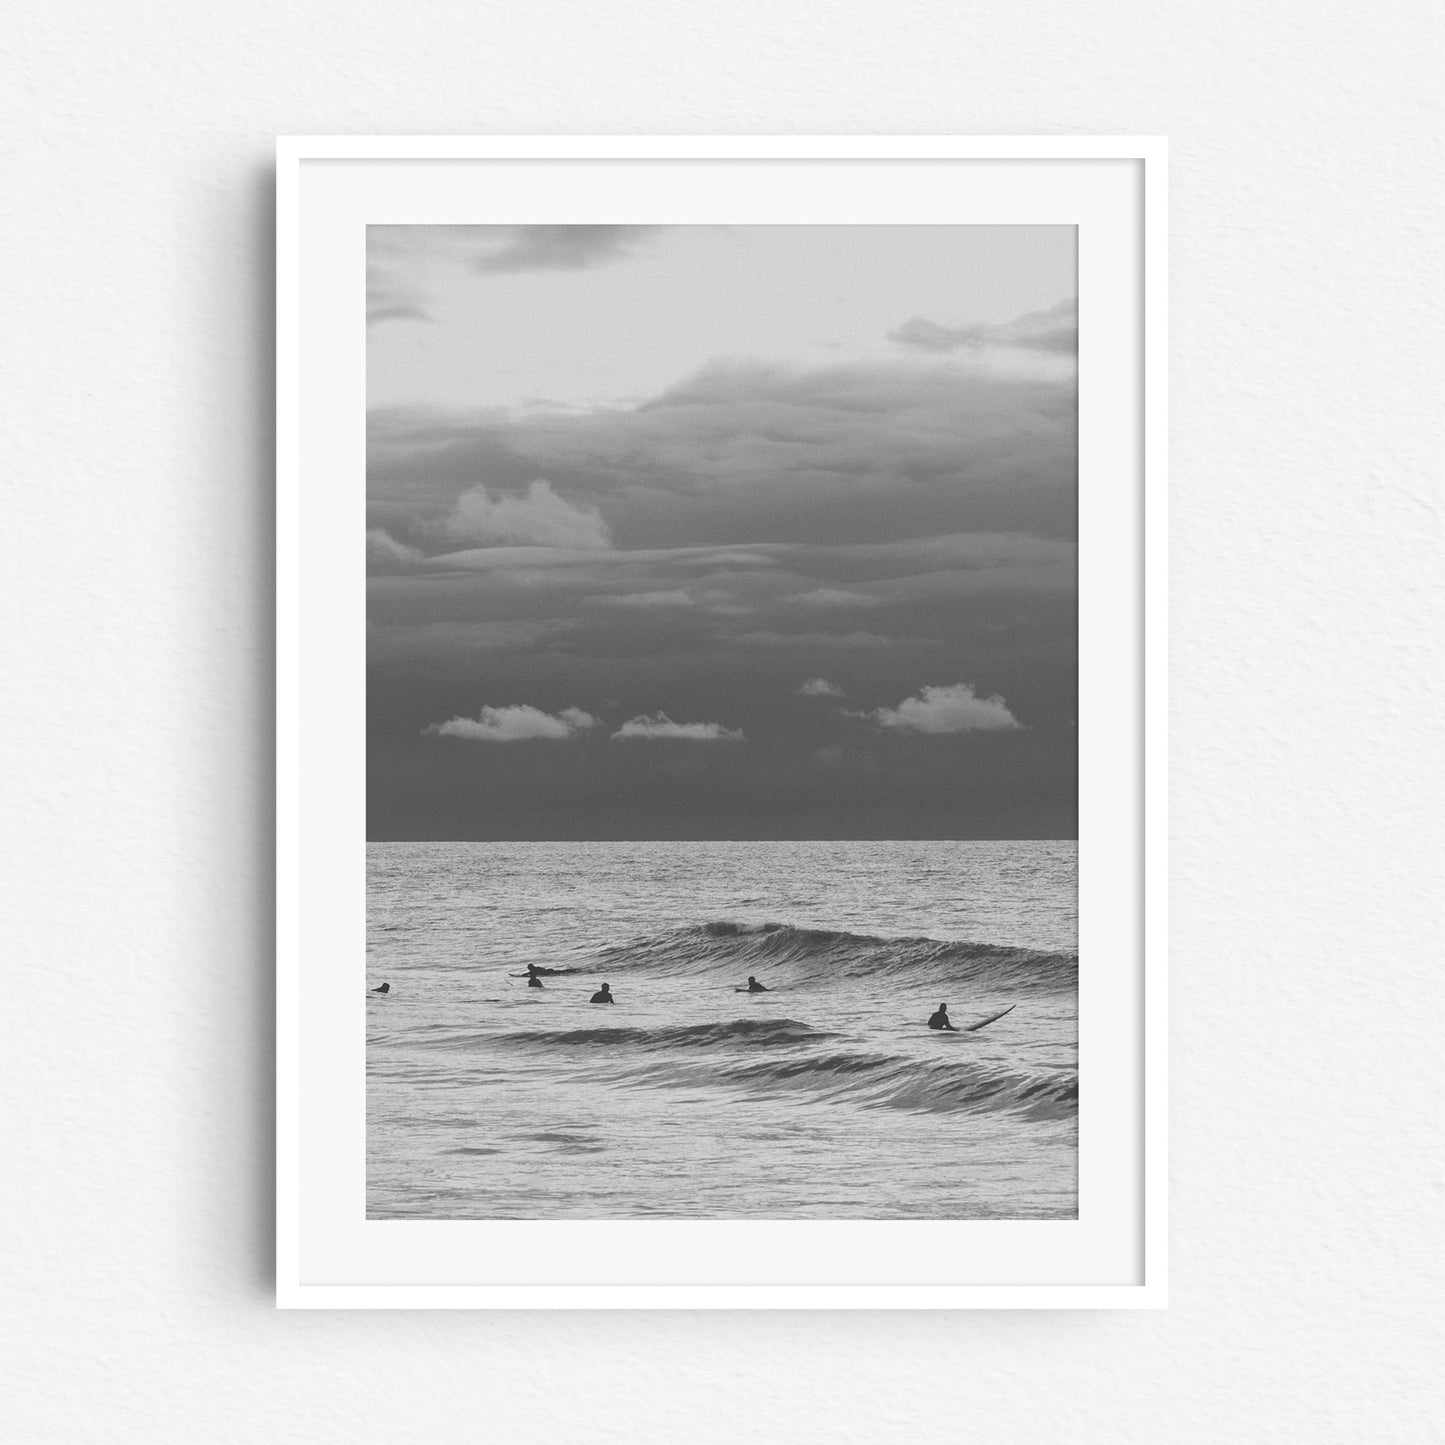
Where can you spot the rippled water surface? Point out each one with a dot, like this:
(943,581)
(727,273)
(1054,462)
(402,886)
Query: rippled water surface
(825,1098)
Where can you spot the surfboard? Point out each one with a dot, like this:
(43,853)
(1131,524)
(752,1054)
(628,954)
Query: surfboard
(992,1018)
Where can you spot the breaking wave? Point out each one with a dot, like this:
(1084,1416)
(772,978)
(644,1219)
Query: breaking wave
(806,954)
(755,1033)
(774,1056)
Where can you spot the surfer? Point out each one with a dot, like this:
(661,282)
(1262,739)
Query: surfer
(754,986)
(385,988)
(534,978)
(603,995)
(940,1020)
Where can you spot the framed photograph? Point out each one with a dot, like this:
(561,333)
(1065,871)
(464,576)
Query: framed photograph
(721,708)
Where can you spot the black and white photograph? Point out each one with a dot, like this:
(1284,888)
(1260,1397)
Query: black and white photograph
(722,722)
(799,523)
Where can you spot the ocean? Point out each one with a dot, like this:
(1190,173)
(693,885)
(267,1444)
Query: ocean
(827,1097)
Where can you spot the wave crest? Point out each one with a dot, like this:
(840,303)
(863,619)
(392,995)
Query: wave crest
(818,953)
(881,1081)
(770,1057)
(756,1033)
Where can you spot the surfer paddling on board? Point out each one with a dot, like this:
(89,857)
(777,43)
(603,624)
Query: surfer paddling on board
(603,995)
(385,988)
(940,1020)
(754,986)
(534,977)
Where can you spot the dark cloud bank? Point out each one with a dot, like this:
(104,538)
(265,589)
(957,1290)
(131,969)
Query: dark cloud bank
(767,604)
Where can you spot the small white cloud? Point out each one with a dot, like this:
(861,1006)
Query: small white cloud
(956,709)
(663,726)
(385,554)
(515,725)
(539,519)
(820,687)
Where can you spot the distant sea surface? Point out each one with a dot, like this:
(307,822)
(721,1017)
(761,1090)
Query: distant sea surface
(826,1098)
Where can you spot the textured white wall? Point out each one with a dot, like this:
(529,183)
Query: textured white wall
(134,1036)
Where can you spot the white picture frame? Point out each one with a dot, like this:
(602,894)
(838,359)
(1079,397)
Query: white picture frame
(329,1255)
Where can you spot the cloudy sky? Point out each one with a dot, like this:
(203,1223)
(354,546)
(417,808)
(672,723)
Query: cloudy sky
(721,532)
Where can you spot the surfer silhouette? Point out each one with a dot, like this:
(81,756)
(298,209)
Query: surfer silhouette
(603,995)
(534,978)
(754,986)
(385,988)
(940,1020)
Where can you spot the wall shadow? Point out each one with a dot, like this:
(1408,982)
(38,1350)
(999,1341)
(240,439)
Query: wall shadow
(259,550)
